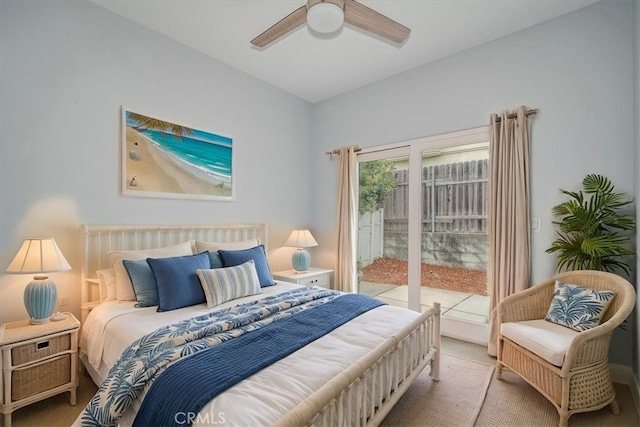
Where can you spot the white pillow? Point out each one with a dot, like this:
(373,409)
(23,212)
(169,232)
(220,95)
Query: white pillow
(227,246)
(224,284)
(124,288)
(107,280)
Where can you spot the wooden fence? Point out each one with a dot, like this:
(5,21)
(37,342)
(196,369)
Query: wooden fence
(454,199)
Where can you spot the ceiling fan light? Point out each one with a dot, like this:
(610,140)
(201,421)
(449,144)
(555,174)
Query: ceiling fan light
(325,17)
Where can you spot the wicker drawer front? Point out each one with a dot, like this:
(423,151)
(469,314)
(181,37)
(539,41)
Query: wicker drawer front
(32,380)
(39,350)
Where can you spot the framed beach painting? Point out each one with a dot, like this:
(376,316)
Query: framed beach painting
(162,158)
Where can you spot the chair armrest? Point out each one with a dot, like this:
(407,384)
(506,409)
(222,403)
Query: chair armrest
(587,350)
(592,346)
(530,304)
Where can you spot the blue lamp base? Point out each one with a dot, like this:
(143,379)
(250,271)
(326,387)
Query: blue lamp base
(301,260)
(40,297)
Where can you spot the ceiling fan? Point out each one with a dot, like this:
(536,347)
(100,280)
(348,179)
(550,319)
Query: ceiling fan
(327,16)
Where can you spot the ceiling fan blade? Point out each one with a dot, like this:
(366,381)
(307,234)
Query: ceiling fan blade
(368,19)
(282,27)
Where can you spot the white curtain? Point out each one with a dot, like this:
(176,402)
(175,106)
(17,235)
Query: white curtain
(345,272)
(509,225)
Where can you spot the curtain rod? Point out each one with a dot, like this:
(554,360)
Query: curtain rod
(337,151)
(528,112)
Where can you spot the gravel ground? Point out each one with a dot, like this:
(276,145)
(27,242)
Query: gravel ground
(394,272)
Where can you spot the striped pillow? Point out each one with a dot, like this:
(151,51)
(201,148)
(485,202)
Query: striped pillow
(224,284)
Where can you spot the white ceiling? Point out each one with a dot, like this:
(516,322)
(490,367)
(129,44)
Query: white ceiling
(315,68)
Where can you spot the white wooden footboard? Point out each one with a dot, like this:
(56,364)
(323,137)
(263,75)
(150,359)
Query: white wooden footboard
(365,392)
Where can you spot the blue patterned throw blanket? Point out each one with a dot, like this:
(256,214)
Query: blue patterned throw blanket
(141,364)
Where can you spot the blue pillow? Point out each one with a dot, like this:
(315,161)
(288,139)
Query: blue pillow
(233,258)
(143,281)
(177,280)
(216,261)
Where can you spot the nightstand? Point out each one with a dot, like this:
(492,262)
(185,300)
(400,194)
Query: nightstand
(38,361)
(314,277)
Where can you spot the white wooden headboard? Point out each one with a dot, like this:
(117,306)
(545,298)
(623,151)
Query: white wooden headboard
(99,240)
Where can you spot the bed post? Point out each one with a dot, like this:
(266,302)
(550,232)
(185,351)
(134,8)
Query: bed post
(435,364)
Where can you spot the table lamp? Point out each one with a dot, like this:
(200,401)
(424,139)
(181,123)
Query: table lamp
(39,256)
(301,259)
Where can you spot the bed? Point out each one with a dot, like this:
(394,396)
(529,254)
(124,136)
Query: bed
(352,375)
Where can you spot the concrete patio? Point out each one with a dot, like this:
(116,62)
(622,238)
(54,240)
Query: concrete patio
(454,305)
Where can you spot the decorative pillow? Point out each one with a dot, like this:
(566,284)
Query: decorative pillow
(216,261)
(107,280)
(233,258)
(143,281)
(124,289)
(177,280)
(224,284)
(228,246)
(578,308)
(213,247)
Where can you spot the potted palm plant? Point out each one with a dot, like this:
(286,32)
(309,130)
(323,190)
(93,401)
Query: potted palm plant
(590,228)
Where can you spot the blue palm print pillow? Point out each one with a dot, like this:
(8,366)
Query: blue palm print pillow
(578,308)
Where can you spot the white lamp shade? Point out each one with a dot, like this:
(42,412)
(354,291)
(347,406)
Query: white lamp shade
(301,239)
(325,17)
(38,256)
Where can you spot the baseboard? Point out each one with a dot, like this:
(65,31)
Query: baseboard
(624,375)
(465,331)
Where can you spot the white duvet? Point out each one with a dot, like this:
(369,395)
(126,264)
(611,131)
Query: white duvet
(261,399)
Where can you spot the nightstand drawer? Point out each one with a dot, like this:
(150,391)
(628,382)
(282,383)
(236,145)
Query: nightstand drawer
(314,277)
(40,349)
(39,377)
(322,281)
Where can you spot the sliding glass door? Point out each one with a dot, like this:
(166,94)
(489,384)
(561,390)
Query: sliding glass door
(422,228)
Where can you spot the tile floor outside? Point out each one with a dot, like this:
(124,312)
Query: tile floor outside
(454,305)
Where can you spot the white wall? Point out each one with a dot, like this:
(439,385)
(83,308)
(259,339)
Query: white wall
(66,69)
(577,69)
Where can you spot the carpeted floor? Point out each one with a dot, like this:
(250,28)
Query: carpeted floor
(453,401)
(466,395)
(514,403)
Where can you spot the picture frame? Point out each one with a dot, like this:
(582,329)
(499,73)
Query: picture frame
(166,159)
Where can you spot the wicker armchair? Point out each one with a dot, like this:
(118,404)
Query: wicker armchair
(582,382)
